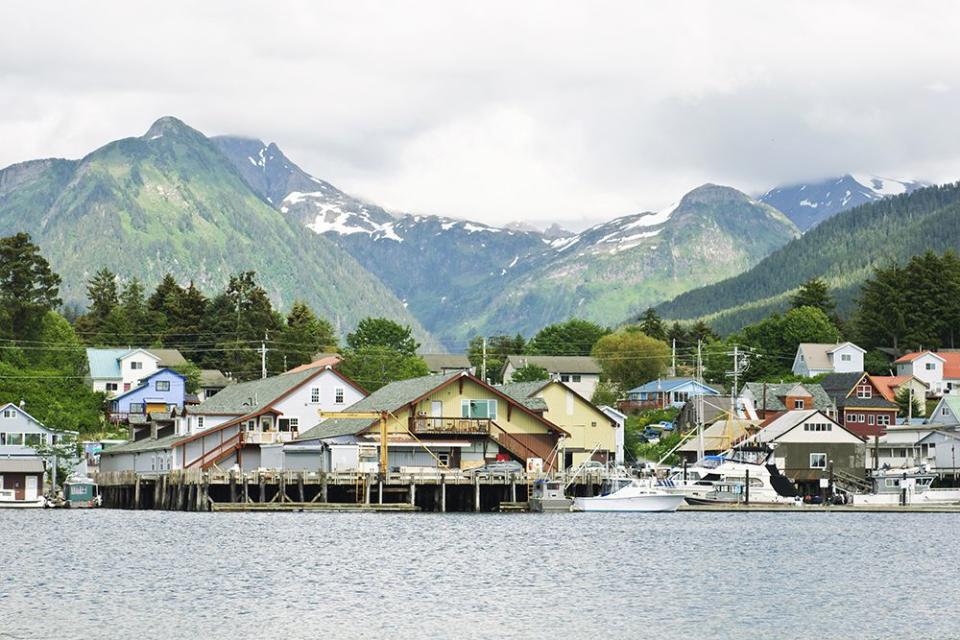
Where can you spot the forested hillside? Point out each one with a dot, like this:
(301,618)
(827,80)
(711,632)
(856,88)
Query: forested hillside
(842,250)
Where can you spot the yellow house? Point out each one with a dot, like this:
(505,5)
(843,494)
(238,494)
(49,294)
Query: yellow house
(591,432)
(453,420)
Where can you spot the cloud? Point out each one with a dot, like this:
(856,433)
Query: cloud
(497,111)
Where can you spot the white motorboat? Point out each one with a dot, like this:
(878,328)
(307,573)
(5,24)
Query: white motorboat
(8,500)
(725,479)
(628,495)
(905,487)
(548,496)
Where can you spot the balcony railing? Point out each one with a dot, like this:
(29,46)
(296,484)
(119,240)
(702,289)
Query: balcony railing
(268,437)
(449,425)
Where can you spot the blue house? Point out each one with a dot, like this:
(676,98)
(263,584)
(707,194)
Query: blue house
(665,392)
(161,391)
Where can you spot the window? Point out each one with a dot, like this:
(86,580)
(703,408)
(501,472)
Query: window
(931,366)
(199,423)
(136,364)
(870,419)
(111,386)
(575,377)
(593,424)
(251,425)
(289,424)
(138,407)
(162,385)
(32,439)
(3,439)
(798,404)
(15,439)
(478,409)
(9,413)
(315,395)
(564,377)
(944,411)
(845,357)
(818,461)
(883,420)
(443,459)
(864,391)
(338,395)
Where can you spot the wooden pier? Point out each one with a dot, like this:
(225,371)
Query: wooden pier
(216,490)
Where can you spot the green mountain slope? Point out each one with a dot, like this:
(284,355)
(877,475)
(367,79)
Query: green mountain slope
(170,201)
(613,271)
(843,250)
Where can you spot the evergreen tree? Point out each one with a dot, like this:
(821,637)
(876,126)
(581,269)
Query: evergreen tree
(909,406)
(881,317)
(814,293)
(701,331)
(374,366)
(29,288)
(652,325)
(530,373)
(573,337)
(381,332)
(677,333)
(302,337)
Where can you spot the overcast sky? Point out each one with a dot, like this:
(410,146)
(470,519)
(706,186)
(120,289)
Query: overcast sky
(531,111)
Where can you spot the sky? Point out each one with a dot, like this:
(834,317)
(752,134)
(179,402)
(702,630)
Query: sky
(570,112)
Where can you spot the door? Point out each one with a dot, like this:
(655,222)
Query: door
(31,489)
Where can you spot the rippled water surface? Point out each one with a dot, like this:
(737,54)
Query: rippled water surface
(124,574)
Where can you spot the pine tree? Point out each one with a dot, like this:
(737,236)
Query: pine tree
(28,286)
(814,293)
(573,337)
(303,336)
(652,325)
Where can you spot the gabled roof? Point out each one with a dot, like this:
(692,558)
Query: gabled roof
(325,361)
(952,402)
(147,444)
(441,361)
(396,395)
(840,385)
(788,421)
(816,354)
(248,397)
(776,393)
(105,363)
(668,384)
(213,378)
(556,364)
(24,413)
(910,357)
(888,385)
(144,382)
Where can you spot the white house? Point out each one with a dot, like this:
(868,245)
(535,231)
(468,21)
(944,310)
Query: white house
(115,371)
(580,373)
(22,438)
(244,423)
(939,371)
(813,359)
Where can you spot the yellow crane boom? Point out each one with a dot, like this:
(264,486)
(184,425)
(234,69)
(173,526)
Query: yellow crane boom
(382,416)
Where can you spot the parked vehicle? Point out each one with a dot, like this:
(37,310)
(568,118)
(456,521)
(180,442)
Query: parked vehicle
(502,466)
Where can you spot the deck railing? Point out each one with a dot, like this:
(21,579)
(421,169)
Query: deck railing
(450,425)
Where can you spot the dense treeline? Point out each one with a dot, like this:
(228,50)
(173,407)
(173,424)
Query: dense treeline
(843,250)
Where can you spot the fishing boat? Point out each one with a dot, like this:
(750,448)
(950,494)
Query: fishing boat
(9,500)
(548,497)
(629,495)
(81,493)
(905,487)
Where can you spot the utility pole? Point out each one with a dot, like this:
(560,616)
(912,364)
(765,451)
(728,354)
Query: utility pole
(263,356)
(483,362)
(673,358)
(699,405)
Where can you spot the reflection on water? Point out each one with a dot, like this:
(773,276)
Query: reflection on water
(113,574)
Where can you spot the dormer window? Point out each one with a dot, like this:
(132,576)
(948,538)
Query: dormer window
(798,404)
(864,391)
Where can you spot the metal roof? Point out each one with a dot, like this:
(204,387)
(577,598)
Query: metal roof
(147,444)
(557,364)
(668,384)
(21,465)
(105,363)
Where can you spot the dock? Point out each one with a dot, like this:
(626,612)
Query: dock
(819,508)
(236,491)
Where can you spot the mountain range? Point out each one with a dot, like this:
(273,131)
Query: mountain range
(205,208)
(843,250)
(810,203)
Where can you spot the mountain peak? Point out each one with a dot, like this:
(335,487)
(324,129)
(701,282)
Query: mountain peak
(167,125)
(711,194)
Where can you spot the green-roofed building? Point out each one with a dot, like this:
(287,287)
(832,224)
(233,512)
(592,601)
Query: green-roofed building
(452,420)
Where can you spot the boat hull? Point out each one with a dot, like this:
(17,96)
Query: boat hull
(39,503)
(642,503)
(550,505)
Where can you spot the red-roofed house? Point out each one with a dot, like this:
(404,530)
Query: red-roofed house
(890,386)
(940,371)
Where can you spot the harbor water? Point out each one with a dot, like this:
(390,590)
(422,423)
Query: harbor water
(125,574)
